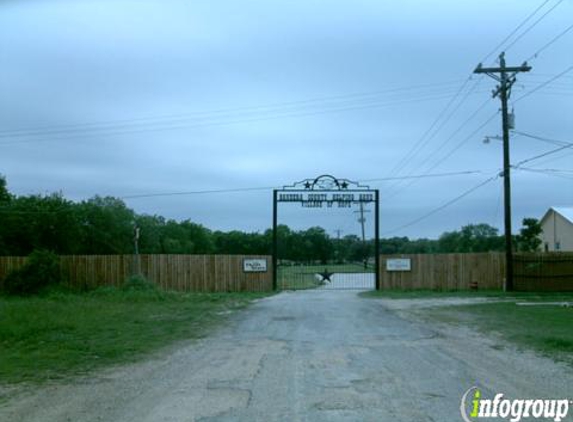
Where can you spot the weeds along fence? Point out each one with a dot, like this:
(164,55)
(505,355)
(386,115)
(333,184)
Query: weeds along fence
(547,271)
(191,273)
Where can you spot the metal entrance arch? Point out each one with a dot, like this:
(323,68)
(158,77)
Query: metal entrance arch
(327,191)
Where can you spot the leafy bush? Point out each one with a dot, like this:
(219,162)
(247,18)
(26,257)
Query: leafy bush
(42,270)
(138,282)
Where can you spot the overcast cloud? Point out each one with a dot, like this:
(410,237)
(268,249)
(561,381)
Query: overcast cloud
(177,96)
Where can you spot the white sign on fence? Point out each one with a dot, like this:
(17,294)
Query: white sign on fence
(254,265)
(399,264)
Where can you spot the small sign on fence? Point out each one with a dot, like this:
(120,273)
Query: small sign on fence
(254,265)
(399,264)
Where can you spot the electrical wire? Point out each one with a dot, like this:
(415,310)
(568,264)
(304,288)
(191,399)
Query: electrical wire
(332,101)
(422,140)
(543,139)
(564,171)
(442,207)
(201,192)
(544,84)
(547,173)
(545,154)
(453,150)
(531,15)
(558,157)
(85,133)
(527,19)
(519,37)
(540,50)
(435,151)
(246,189)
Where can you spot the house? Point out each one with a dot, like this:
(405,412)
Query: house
(557,229)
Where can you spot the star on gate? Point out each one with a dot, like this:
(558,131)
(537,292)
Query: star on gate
(325,276)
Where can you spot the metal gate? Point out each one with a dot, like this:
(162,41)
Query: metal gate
(326,263)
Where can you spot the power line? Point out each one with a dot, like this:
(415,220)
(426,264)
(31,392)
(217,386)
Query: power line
(435,151)
(558,157)
(531,15)
(463,141)
(548,172)
(434,89)
(422,176)
(231,190)
(235,109)
(543,75)
(543,139)
(544,84)
(451,151)
(262,188)
(443,206)
(565,171)
(279,114)
(420,142)
(532,26)
(561,34)
(197,192)
(445,121)
(545,154)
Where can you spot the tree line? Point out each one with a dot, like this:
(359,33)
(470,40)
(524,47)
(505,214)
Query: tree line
(105,225)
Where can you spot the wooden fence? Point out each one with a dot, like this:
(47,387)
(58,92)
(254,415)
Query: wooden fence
(224,273)
(540,272)
(552,271)
(192,273)
(446,272)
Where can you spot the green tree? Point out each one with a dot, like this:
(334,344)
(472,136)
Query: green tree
(107,226)
(528,239)
(5,196)
(471,238)
(36,222)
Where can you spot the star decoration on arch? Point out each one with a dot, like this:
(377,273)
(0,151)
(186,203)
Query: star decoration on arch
(344,184)
(307,185)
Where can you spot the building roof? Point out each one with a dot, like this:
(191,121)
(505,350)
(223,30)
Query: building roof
(565,212)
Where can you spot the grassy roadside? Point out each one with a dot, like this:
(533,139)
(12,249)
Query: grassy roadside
(547,328)
(60,334)
(437,294)
(429,294)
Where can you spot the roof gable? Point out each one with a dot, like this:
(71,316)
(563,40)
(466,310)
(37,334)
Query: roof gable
(565,212)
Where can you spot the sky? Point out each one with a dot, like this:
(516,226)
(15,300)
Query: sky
(135,98)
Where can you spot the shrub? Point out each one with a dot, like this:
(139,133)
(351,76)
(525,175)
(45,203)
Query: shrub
(42,269)
(138,282)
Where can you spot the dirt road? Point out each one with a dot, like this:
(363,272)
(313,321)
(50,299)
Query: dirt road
(305,356)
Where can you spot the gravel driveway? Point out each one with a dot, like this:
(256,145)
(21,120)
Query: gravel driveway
(304,356)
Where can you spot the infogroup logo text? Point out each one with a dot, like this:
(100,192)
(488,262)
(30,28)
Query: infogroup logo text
(474,407)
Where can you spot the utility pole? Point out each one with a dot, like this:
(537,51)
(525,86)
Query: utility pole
(137,268)
(362,221)
(337,250)
(506,79)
